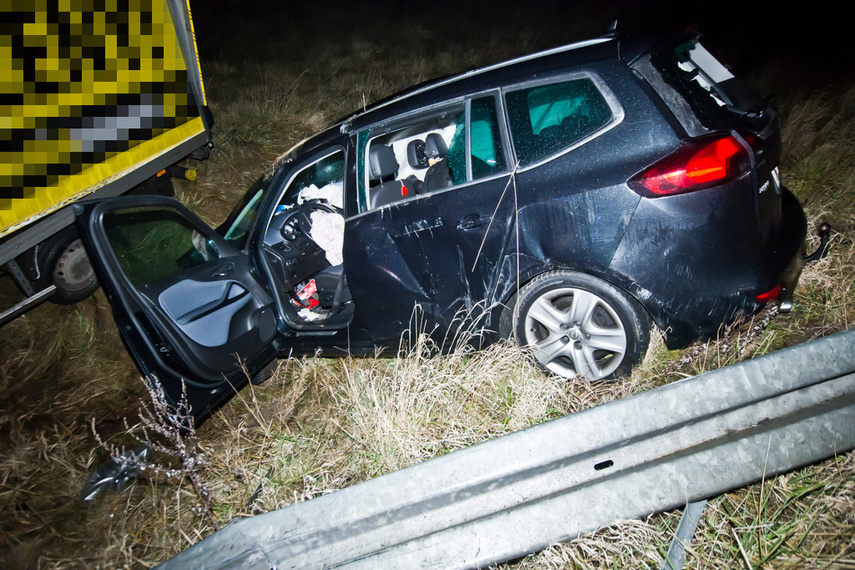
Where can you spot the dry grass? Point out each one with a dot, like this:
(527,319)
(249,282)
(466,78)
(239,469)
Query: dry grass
(319,425)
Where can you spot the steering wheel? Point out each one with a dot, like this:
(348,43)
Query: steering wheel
(300,220)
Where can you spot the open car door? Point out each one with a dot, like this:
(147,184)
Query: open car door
(185,301)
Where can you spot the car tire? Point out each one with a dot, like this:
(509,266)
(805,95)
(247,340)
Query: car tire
(578,325)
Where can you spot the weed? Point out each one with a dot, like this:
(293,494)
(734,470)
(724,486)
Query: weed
(169,431)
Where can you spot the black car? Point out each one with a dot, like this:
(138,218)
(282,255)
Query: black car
(570,199)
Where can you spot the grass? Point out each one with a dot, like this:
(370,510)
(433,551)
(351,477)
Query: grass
(319,424)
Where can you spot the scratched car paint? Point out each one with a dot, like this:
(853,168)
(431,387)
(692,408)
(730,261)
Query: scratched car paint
(570,199)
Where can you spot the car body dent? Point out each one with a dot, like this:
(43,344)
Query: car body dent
(685,297)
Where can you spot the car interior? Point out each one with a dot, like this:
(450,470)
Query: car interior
(302,248)
(303,242)
(425,155)
(417,159)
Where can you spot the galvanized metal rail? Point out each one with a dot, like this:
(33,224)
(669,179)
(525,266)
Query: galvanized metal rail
(516,494)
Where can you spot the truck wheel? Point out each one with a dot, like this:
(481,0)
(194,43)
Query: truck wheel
(73,275)
(578,325)
(64,263)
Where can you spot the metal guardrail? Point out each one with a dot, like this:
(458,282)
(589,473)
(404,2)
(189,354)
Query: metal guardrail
(522,492)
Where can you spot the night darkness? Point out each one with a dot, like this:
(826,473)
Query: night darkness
(810,48)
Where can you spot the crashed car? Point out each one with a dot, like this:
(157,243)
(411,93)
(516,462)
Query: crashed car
(569,199)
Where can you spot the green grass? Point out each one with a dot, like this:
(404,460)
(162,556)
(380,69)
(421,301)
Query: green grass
(320,425)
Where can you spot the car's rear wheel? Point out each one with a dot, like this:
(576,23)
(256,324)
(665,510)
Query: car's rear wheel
(578,325)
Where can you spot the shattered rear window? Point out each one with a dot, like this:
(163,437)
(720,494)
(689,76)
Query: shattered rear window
(485,141)
(702,93)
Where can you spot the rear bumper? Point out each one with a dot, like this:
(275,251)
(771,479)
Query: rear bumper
(780,263)
(710,264)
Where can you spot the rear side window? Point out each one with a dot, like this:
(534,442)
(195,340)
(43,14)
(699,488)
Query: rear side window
(546,119)
(485,144)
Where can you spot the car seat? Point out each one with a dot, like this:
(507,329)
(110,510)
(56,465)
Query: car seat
(439,175)
(435,146)
(383,167)
(417,154)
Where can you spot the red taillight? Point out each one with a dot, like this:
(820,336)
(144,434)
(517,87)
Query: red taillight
(769,295)
(698,164)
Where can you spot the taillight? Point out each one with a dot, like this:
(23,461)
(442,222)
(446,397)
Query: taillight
(770,295)
(698,164)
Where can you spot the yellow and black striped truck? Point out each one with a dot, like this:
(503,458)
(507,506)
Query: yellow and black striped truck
(99,98)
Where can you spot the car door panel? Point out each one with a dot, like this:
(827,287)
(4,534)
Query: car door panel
(204,311)
(442,249)
(187,304)
(440,252)
(382,284)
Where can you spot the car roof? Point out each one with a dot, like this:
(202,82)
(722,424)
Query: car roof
(435,91)
(436,84)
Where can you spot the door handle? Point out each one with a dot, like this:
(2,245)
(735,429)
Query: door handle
(472,221)
(225,271)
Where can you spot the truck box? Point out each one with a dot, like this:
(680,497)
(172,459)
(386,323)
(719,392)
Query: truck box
(99,98)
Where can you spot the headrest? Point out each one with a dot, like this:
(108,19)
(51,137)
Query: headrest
(416,156)
(382,162)
(435,146)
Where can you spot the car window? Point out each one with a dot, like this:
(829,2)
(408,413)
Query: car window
(486,153)
(320,180)
(153,244)
(234,229)
(700,91)
(546,119)
(361,198)
(429,153)
(237,230)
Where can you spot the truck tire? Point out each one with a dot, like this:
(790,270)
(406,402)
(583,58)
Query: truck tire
(63,262)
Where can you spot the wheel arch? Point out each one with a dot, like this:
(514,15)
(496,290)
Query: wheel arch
(610,336)
(505,305)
